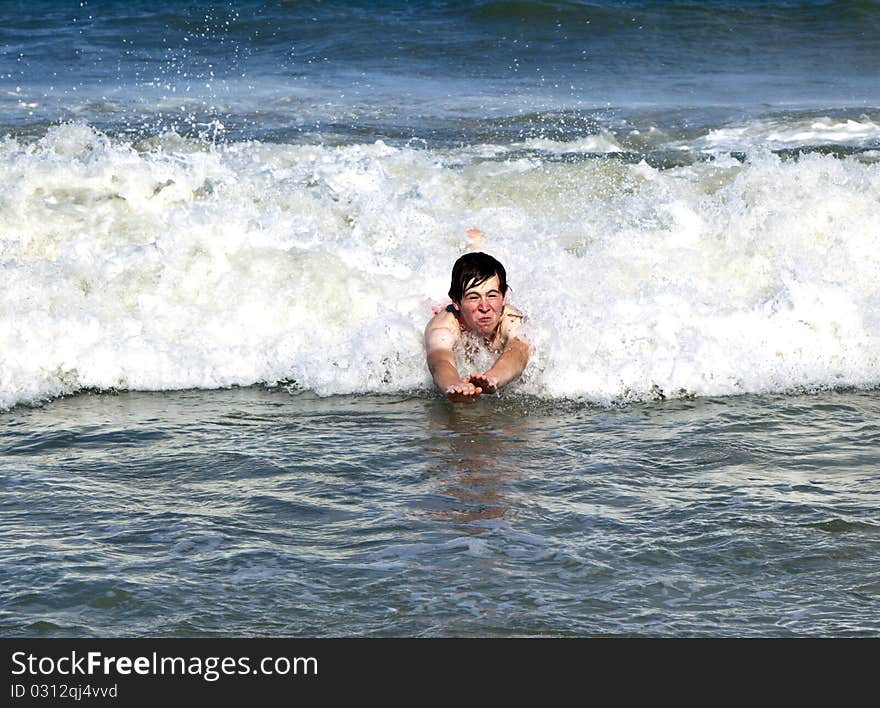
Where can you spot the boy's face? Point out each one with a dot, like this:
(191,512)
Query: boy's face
(481,306)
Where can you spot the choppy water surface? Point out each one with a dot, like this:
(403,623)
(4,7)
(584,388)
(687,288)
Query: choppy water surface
(255,512)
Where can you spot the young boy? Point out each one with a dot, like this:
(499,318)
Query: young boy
(479,306)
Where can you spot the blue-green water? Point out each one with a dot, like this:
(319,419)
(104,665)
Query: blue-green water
(254,512)
(441,72)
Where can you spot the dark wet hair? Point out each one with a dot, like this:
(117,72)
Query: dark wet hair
(471,270)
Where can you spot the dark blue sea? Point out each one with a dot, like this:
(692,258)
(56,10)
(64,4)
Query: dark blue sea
(224,226)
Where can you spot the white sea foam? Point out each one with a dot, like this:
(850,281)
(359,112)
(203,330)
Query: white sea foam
(780,133)
(178,264)
(601,143)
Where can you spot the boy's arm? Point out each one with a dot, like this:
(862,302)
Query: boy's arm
(441,360)
(506,368)
(439,344)
(513,358)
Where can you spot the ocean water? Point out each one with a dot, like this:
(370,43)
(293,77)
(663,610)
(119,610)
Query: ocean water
(253,512)
(223,227)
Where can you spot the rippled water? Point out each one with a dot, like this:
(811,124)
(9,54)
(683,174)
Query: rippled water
(255,512)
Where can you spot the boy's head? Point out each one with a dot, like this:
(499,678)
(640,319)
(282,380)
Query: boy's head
(473,269)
